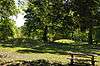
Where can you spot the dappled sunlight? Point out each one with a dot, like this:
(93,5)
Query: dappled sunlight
(53,52)
(64,41)
(48,32)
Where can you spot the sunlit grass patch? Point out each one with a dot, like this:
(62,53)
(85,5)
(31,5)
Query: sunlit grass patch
(10,49)
(50,53)
(64,41)
(13,55)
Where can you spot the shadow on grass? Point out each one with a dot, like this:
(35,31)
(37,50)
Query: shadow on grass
(43,62)
(60,49)
(38,51)
(40,47)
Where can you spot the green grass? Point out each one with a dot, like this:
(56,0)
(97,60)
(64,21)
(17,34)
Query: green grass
(64,41)
(51,52)
(13,55)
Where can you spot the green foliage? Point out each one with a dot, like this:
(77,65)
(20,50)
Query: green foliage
(48,16)
(86,10)
(7,28)
(7,8)
(80,36)
(52,17)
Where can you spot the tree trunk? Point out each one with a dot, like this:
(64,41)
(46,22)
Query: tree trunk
(45,38)
(90,42)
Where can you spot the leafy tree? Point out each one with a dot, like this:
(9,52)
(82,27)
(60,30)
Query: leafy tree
(7,25)
(49,16)
(7,8)
(7,28)
(86,10)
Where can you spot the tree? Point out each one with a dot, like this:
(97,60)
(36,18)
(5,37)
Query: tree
(7,28)
(7,8)
(49,16)
(86,10)
(7,25)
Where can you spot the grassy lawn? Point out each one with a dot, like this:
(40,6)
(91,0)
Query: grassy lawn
(52,52)
(65,41)
(12,54)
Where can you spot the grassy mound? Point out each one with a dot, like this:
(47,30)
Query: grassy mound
(65,41)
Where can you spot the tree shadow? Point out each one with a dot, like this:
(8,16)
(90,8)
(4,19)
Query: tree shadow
(59,48)
(42,62)
(83,48)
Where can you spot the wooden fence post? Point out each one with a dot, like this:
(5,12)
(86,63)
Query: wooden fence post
(72,61)
(92,61)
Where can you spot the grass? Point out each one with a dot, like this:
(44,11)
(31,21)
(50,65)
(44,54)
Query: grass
(64,41)
(13,55)
(51,52)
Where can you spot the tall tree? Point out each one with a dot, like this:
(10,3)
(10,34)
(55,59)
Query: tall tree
(7,28)
(86,11)
(7,8)
(50,16)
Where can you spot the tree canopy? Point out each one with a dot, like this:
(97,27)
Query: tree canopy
(61,16)
(7,8)
(49,16)
(87,11)
(7,26)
